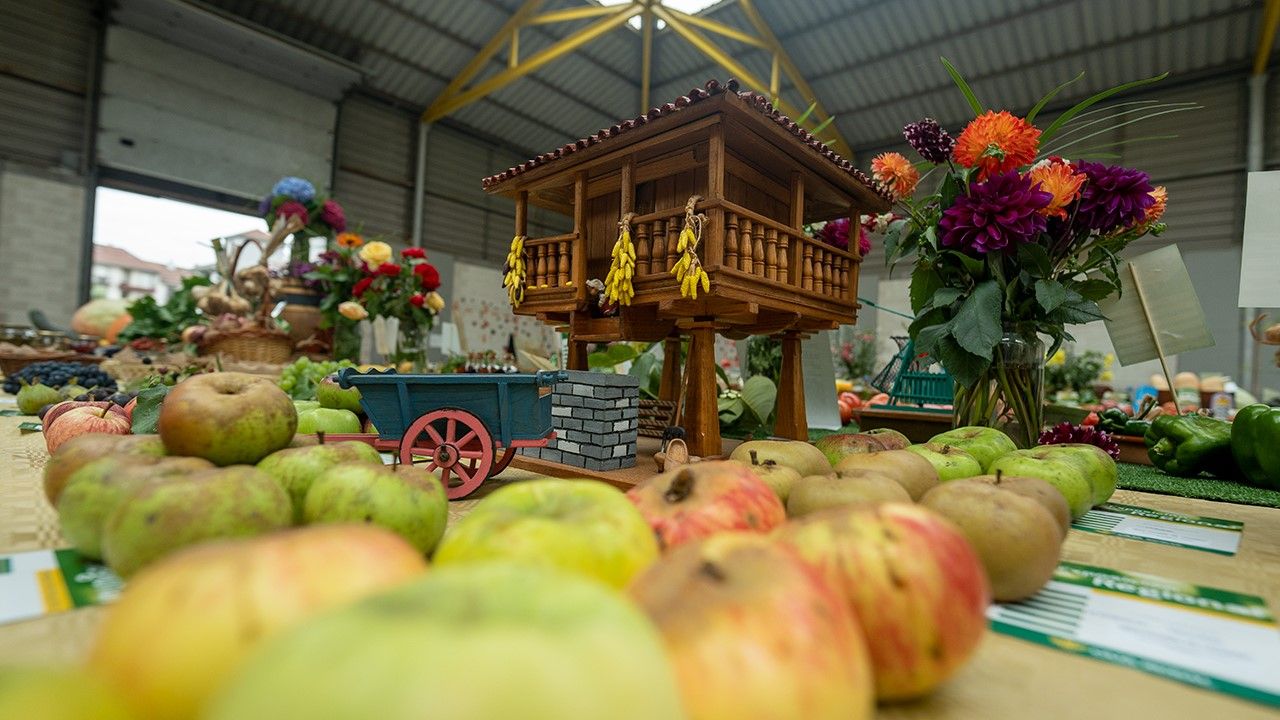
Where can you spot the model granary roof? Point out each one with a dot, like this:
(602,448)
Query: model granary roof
(807,147)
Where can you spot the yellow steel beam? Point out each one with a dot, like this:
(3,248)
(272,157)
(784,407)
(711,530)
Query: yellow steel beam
(646,57)
(794,74)
(1266,36)
(446,105)
(486,53)
(513,55)
(574,13)
(719,28)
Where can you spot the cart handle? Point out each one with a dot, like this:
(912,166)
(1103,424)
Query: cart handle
(548,378)
(345,375)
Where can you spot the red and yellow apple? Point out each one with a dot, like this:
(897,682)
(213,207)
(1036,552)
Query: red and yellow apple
(84,449)
(755,632)
(705,498)
(184,625)
(84,421)
(837,445)
(914,582)
(227,418)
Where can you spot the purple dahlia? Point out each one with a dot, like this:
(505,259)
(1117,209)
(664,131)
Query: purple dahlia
(331,214)
(929,139)
(1112,196)
(836,234)
(1000,213)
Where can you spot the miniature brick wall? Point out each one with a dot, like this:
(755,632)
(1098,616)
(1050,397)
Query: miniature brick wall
(594,416)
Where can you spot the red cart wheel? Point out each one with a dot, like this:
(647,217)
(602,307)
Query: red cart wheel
(455,443)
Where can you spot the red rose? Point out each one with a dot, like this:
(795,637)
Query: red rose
(428,275)
(361,285)
(389,269)
(417,300)
(413,252)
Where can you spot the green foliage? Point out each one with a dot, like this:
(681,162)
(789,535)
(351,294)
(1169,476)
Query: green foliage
(964,86)
(299,379)
(146,414)
(1078,373)
(608,359)
(165,322)
(749,409)
(764,357)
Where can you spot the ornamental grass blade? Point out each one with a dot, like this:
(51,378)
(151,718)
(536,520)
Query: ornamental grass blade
(959,80)
(823,125)
(1077,126)
(1031,116)
(1058,149)
(807,112)
(1083,105)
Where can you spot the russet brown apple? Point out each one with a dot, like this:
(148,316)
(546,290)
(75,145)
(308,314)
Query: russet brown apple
(227,418)
(820,492)
(1036,489)
(914,473)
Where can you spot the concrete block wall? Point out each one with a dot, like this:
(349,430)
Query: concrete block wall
(595,417)
(41,240)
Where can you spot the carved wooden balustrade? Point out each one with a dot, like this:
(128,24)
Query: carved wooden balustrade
(549,261)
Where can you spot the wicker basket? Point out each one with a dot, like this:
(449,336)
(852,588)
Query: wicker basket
(255,345)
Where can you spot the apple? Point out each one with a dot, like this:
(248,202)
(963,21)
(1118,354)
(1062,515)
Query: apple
(295,468)
(984,443)
(1016,538)
(404,499)
(301,405)
(1062,474)
(328,421)
(58,409)
(837,445)
(718,603)
(159,518)
(1036,489)
(84,421)
(913,472)
(94,491)
(951,462)
(1097,465)
(84,449)
(331,395)
(819,492)
(227,418)
(795,454)
(890,439)
(703,498)
(914,582)
(68,693)
(779,478)
(480,642)
(219,601)
(129,407)
(577,526)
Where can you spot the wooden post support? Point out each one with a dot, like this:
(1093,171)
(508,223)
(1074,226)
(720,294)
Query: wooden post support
(713,233)
(522,212)
(577,354)
(794,259)
(669,388)
(701,416)
(792,420)
(628,199)
(580,242)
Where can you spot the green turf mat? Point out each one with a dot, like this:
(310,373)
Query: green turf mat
(1149,479)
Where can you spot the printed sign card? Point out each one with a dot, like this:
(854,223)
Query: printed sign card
(1166,528)
(1260,255)
(43,582)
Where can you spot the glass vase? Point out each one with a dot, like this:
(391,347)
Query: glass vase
(411,348)
(1010,395)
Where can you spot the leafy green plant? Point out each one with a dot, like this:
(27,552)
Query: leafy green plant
(764,357)
(167,321)
(749,409)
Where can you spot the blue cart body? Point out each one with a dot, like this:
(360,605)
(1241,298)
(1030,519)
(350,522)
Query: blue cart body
(509,405)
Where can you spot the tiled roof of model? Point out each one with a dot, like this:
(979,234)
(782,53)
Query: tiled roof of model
(713,88)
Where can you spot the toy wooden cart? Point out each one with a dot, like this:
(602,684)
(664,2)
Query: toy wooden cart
(455,424)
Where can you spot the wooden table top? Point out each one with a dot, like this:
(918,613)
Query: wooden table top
(1009,678)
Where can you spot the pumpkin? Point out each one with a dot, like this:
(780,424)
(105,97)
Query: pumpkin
(97,317)
(119,324)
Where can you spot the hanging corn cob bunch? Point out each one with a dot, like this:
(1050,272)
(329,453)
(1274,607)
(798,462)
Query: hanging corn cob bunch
(514,270)
(688,269)
(617,284)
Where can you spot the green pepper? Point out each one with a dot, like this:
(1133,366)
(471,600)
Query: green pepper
(1255,443)
(1118,422)
(1186,445)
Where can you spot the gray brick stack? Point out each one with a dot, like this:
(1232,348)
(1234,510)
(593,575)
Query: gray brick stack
(595,417)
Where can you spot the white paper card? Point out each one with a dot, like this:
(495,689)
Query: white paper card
(1171,302)
(1165,528)
(818,364)
(1260,257)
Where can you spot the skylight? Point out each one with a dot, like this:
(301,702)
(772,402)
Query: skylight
(689,7)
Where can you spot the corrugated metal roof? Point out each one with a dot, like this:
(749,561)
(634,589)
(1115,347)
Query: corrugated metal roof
(873,63)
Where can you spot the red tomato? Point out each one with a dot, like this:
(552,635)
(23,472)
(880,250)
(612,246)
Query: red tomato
(1090,419)
(880,399)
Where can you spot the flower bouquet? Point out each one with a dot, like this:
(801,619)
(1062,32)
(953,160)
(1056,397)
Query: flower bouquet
(317,216)
(1016,242)
(404,293)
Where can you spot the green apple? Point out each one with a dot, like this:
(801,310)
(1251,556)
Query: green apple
(296,468)
(404,499)
(951,462)
(58,694)
(838,445)
(476,642)
(331,395)
(1058,472)
(580,526)
(327,420)
(984,443)
(158,518)
(227,418)
(303,405)
(798,455)
(1098,467)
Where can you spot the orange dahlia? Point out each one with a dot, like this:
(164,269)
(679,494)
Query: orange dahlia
(1157,210)
(895,173)
(996,142)
(1059,180)
(349,240)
